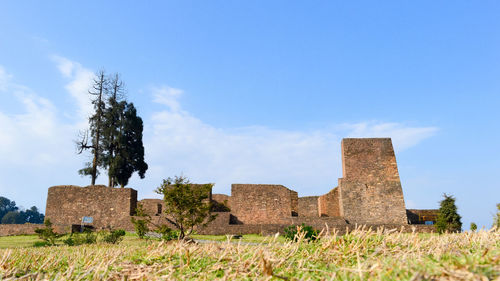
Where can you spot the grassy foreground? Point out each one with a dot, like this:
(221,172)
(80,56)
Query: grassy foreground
(360,255)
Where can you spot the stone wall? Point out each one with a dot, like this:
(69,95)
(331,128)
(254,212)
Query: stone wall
(370,190)
(153,207)
(308,206)
(28,228)
(328,204)
(221,202)
(421,216)
(261,203)
(109,207)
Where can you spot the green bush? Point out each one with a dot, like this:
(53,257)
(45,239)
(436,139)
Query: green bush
(47,233)
(113,237)
(473,226)
(141,222)
(167,233)
(76,239)
(293,232)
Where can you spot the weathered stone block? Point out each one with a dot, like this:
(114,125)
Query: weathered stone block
(370,190)
(262,203)
(109,207)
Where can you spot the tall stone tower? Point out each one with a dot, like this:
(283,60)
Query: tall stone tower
(370,190)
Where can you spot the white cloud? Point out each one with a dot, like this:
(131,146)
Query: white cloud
(168,96)
(403,137)
(32,137)
(80,80)
(4,79)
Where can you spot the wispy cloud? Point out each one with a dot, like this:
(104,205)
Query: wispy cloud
(4,79)
(31,137)
(403,137)
(80,79)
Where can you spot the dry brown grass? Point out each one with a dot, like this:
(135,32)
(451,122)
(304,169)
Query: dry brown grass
(360,255)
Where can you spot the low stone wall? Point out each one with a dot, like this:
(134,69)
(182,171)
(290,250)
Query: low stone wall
(25,229)
(308,206)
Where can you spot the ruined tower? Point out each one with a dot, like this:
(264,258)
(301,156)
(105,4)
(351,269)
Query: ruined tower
(370,190)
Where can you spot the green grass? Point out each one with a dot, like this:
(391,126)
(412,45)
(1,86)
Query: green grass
(247,238)
(360,255)
(20,241)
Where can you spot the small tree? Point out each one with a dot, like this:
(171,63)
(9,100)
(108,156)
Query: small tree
(141,222)
(496,220)
(187,205)
(473,226)
(448,219)
(47,233)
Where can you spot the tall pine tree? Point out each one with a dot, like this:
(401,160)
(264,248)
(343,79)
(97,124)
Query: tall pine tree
(448,219)
(129,149)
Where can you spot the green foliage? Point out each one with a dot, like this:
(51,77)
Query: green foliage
(473,226)
(448,219)
(186,204)
(76,239)
(496,219)
(13,217)
(10,213)
(167,233)
(40,244)
(113,236)
(6,206)
(141,223)
(32,215)
(126,154)
(47,233)
(294,232)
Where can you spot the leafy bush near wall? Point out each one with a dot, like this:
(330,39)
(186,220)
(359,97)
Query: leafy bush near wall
(47,233)
(113,237)
(307,232)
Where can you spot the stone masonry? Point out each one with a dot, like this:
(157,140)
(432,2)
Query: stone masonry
(109,207)
(370,190)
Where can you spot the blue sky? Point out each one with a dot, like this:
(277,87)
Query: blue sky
(259,92)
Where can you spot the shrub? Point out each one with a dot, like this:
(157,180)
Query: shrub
(167,233)
(76,239)
(141,222)
(293,232)
(47,233)
(113,237)
(473,226)
(448,219)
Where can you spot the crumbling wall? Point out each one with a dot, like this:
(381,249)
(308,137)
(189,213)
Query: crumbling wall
(153,207)
(328,204)
(221,202)
(261,203)
(109,207)
(370,190)
(422,215)
(308,206)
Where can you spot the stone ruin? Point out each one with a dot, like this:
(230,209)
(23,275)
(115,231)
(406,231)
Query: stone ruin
(369,193)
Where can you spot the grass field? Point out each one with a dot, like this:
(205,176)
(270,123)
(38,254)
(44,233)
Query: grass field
(360,255)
